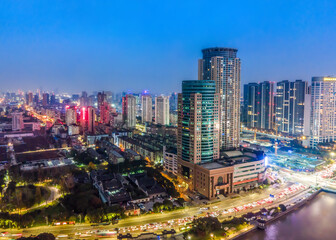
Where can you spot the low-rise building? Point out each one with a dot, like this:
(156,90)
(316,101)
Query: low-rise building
(170,160)
(236,170)
(115,157)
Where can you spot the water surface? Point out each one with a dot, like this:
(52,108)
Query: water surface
(315,221)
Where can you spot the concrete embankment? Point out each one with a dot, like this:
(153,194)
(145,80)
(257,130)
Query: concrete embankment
(289,210)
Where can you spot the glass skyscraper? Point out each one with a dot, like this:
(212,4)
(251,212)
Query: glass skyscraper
(198,122)
(223,66)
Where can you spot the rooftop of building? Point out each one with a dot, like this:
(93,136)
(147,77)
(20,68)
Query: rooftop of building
(234,157)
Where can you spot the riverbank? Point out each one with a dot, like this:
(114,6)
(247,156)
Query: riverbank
(290,209)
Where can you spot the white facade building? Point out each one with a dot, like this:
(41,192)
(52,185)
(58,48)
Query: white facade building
(17,121)
(323,110)
(162,110)
(146,104)
(170,160)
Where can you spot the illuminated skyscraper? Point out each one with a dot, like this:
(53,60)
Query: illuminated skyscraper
(198,124)
(91,119)
(252,105)
(129,110)
(266,104)
(147,109)
(101,98)
(323,110)
(45,99)
(29,100)
(70,115)
(289,106)
(162,110)
(105,111)
(223,66)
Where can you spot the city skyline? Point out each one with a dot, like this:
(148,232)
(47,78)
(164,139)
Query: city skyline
(72,48)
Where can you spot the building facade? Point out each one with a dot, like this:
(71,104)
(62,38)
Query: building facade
(198,138)
(129,110)
(70,115)
(17,121)
(223,66)
(162,110)
(323,110)
(147,108)
(290,106)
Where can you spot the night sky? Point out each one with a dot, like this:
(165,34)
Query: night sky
(134,45)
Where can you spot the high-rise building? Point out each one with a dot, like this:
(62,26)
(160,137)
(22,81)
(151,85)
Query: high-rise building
(289,106)
(53,99)
(173,102)
(129,110)
(70,115)
(83,118)
(259,105)
(45,99)
(251,111)
(223,66)
(83,100)
(101,98)
(29,99)
(323,110)
(266,105)
(105,112)
(198,124)
(162,110)
(17,121)
(91,119)
(147,108)
(36,99)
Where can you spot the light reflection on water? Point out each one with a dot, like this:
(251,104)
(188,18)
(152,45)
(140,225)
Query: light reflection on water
(315,221)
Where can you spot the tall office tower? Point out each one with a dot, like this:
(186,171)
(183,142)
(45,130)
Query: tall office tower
(289,106)
(266,105)
(109,96)
(223,66)
(29,99)
(306,118)
(83,100)
(17,121)
(84,94)
(91,119)
(252,105)
(45,99)
(52,99)
(129,110)
(101,98)
(198,131)
(147,109)
(105,112)
(162,110)
(70,115)
(83,118)
(36,99)
(173,102)
(323,110)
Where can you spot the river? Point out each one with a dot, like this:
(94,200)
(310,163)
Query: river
(314,221)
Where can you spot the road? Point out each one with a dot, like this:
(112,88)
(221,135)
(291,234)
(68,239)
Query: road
(155,218)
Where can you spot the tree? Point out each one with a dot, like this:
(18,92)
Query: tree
(45,236)
(206,225)
(92,166)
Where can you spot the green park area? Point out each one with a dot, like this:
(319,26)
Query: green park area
(17,198)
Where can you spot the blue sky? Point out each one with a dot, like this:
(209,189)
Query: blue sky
(134,45)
